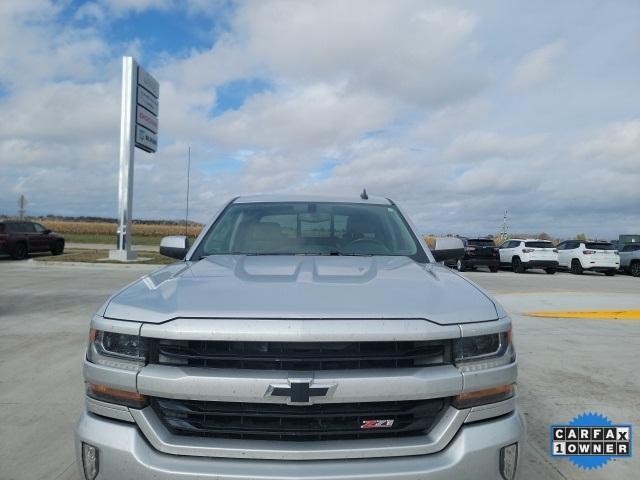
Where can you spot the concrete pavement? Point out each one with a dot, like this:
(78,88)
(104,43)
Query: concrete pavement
(567,366)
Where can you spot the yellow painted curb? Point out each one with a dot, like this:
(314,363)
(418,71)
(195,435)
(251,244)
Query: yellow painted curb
(595,314)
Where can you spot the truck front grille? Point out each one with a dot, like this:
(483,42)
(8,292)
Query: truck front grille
(266,421)
(299,355)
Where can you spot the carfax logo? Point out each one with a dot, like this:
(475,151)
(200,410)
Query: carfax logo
(590,440)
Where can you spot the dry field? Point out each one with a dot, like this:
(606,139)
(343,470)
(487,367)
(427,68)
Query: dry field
(104,228)
(104,232)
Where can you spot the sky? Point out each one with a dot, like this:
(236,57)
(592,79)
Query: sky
(457,110)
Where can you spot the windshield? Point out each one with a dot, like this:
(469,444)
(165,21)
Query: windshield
(310,228)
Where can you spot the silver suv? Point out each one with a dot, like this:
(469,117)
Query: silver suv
(630,259)
(301,338)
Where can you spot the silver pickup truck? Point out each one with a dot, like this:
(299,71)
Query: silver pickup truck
(301,338)
(630,259)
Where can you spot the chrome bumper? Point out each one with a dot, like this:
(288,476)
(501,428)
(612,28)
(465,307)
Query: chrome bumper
(126,454)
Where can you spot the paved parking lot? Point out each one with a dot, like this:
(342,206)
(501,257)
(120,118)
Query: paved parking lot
(566,366)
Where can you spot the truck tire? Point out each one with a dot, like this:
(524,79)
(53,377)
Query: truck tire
(516,265)
(634,268)
(576,267)
(460,266)
(19,251)
(494,269)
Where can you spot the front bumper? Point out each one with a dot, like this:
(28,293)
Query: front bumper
(472,454)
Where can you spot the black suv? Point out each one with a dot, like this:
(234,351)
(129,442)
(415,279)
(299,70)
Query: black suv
(478,252)
(20,238)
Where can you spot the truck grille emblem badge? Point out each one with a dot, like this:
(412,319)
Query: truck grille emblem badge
(300,391)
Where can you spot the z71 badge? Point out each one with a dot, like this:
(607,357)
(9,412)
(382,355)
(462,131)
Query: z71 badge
(369,424)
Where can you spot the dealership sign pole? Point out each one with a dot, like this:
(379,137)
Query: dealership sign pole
(138,128)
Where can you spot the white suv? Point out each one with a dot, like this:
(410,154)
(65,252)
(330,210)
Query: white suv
(522,254)
(578,255)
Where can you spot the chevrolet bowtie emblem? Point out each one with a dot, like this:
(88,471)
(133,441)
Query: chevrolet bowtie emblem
(300,391)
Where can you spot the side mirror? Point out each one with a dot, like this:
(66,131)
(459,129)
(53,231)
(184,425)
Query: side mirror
(447,248)
(46,232)
(175,246)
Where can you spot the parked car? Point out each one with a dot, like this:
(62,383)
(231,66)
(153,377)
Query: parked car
(20,238)
(522,254)
(578,256)
(630,259)
(302,338)
(477,252)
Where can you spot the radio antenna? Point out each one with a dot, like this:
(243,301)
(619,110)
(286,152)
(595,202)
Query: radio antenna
(186,217)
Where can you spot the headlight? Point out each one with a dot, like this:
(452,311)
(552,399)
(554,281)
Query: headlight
(117,350)
(484,351)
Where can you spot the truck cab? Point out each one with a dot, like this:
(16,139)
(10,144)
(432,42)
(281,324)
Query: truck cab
(302,337)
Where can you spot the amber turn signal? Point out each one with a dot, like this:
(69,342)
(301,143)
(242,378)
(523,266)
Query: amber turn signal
(114,395)
(482,397)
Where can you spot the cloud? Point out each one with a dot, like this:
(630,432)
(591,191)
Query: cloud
(317,116)
(616,145)
(489,144)
(539,66)
(101,9)
(389,47)
(415,100)
(68,112)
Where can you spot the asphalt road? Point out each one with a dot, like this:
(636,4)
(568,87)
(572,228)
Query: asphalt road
(566,366)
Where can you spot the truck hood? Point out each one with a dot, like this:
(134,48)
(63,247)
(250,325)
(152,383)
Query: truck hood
(300,287)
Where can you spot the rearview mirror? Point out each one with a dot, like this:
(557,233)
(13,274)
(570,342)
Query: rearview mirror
(175,246)
(447,248)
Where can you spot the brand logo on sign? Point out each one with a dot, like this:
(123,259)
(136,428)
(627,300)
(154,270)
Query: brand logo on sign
(147,119)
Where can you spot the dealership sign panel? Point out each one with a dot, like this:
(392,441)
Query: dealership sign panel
(146,139)
(147,107)
(147,100)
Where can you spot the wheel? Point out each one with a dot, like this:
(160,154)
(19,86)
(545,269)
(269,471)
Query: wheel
(19,251)
(460,265)
(576,267)
(610,273)
(516,265)
(57,248)
(493,269)
(635,268)
(550,271)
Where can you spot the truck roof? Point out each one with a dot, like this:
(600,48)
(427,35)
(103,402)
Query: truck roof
(286,197)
